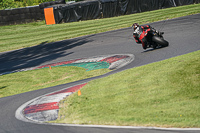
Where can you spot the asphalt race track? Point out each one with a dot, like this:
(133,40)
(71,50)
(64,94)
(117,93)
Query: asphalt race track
(182,34)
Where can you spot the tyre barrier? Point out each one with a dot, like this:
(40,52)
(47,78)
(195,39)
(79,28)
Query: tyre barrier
(21,15)
(25,14)
(46,4)
(108,8)
(85,10)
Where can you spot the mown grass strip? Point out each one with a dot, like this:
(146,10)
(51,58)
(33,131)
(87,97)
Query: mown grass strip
(20,82)
(83,30)
(70,29)
(163,94)
(26,35)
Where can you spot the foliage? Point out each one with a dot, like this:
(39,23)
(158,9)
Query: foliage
(7,4)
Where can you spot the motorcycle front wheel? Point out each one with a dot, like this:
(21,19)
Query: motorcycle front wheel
(160,41)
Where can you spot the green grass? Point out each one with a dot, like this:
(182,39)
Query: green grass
(21,82)
(26,35)
(163,94)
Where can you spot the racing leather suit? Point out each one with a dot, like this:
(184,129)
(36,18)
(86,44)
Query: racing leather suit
(139,35)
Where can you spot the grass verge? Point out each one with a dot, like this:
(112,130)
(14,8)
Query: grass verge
(21,82)
(163,94)
(26,35)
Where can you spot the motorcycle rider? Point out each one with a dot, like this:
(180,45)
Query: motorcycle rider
(139,34)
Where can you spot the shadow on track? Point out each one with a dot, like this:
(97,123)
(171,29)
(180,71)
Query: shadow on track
(152,49)
(36,55)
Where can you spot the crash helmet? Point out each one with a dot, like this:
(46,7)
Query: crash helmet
(134,26)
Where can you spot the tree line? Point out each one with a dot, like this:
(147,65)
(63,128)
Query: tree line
(8,4)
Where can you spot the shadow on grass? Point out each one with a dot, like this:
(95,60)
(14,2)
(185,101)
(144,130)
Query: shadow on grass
(36,55)
(2,87)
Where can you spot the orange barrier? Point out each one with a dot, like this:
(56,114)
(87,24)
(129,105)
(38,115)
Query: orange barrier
(49,16)
(79,92)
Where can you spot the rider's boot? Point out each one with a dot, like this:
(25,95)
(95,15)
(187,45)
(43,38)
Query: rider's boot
(144,45)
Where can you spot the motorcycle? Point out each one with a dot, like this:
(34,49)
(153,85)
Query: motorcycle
(155,39)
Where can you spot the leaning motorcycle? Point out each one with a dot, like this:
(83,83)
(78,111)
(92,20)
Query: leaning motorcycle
(155,39)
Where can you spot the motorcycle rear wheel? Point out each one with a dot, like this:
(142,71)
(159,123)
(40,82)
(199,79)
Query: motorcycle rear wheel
(160,41)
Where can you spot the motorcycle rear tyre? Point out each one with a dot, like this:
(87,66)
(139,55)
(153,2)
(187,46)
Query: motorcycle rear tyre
(160,41)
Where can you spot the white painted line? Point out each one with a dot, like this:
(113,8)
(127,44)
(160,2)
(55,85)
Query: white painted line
(124,127)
